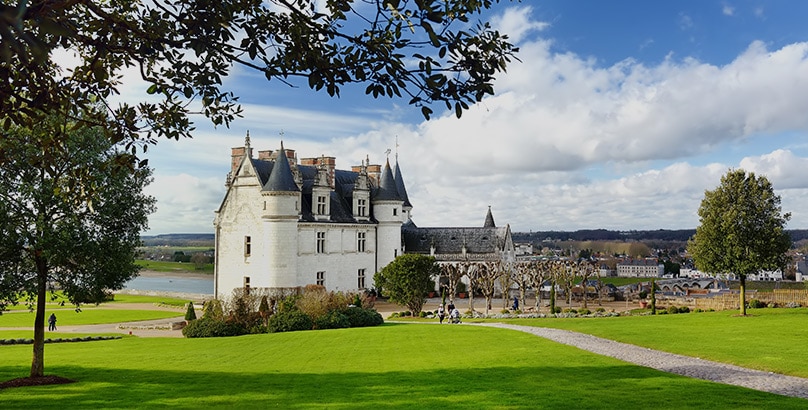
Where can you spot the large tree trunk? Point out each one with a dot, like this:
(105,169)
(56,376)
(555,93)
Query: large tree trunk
(38,362)
(743,295)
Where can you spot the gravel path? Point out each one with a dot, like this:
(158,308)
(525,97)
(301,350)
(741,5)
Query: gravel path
(672,363)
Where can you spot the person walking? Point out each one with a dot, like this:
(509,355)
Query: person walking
(441,313)
(52,322)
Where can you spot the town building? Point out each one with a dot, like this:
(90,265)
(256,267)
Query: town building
(640,268)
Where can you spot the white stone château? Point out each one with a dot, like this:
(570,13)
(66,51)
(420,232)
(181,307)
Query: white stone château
(286,223)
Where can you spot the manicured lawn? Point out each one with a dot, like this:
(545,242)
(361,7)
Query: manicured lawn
(391,366)
(768,339)
(88,316)
(160,300)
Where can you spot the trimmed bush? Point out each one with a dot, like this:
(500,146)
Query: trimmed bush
(684,309)
(190,313)
(207,327)
(600,310)
(289,322)
(673,310)
(359,317)
(332,320)
(584,312)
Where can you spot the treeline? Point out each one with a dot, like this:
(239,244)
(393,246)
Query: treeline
(179,239)
(663,235)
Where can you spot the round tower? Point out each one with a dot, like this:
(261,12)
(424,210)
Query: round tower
(280,218)
(387,210)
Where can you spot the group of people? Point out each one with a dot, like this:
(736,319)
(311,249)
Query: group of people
(451,311)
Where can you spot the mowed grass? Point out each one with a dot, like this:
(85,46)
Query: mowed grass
(390,366)
(88,316)
(767,339)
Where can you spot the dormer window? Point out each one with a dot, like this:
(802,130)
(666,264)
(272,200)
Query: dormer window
(321,205)
(361,207)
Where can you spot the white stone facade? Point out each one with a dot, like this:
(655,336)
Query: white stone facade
(329,227)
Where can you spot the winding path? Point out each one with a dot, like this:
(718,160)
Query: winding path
(670,362)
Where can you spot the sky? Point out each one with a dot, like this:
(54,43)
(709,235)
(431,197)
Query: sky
(618,116)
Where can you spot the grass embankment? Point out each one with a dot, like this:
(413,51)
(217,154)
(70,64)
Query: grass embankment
(175,267)
(766,339)
(391,366)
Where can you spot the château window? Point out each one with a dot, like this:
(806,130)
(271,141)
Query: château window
(246,285)
(395,211)
(360,241)
(321,205)
(360,281)
(361,207)
(321,278)
(320,242)
(247,246)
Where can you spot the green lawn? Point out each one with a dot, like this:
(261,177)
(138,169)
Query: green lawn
(768,339)
(162,266)
(88,316)
(391,366)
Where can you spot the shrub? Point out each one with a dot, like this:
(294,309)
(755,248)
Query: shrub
(756,304)
(773,305)
(684,309)
(213,310)
(207,327)
(673,310)
(600,310)
(584,312)
(557,309)
(359,317)
(289,322)
(332,320)
(570,310)
(190,313)
(505,311)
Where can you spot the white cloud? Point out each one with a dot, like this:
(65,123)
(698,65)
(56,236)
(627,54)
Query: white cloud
(728,10)
(565,144)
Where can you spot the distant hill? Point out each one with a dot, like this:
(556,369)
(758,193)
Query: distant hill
(605,235)
(179,239)
(661,235)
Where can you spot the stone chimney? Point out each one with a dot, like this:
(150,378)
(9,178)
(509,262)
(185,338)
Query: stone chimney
(375,173)
(236,154)
(265,154)
(327,163)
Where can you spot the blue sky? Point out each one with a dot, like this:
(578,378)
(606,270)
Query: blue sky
(619,116)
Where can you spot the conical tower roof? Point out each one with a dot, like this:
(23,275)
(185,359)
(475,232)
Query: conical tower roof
(281,178)
(387,186)
(402,191)
(489,220)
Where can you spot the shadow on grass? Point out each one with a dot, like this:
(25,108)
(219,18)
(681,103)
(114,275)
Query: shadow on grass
(580,387)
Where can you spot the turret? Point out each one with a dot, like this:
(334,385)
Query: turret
(387,209)
(280,215)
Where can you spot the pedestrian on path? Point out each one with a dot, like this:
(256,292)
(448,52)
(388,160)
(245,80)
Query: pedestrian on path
(52,322)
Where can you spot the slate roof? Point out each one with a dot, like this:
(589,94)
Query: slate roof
(402,190)
(387,190)
(281,178)
(489,220)
(451,240)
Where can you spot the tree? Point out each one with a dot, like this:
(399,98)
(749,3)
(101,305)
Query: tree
(427,51)
(406,280)
(741,229)
(69,222)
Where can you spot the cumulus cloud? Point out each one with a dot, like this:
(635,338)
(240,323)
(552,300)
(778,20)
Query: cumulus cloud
(566,143)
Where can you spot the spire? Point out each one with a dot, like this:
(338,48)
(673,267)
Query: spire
(247,149)
(402,191)
(489,219)
(387,186)
(281,178)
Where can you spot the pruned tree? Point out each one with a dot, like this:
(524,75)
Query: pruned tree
(564,272)
(489,273)
(586,269)
(741,229)
(521,276)
(70,218)
(427,52)
(505,281)
(407,279)
(474,274)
